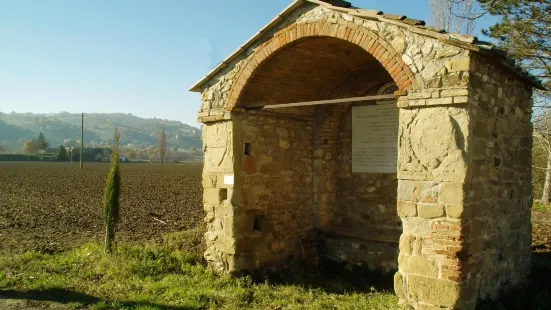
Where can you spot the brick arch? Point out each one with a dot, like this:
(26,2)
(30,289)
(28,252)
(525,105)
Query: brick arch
(372,43)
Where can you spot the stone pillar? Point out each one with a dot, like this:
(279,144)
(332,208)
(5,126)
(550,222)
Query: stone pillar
(464,192)
(218,172)
(432,171)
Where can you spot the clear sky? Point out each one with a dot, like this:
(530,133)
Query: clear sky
(129,56)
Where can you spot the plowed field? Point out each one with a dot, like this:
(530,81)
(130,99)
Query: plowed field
(54,206)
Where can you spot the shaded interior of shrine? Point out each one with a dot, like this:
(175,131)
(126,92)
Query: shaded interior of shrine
(299,190)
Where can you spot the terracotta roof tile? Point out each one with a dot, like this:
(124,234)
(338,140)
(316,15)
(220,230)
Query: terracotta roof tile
(339,3)
(394,16)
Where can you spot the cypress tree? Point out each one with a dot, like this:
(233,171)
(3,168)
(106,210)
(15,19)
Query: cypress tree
(111,203)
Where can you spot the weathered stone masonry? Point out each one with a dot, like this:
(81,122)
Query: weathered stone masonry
(453,222)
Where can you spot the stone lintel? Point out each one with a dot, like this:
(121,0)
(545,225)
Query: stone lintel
(213,115)
(435,97)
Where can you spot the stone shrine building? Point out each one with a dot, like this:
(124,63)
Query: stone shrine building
(361,137)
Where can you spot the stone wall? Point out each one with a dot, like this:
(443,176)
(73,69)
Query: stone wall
(275,188)
(364,226)
(498,197)
(363,199)
(375,255)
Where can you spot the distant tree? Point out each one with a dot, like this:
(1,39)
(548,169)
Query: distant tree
(43,142)
(62,154)
(111,200)
(454,15)
(541,154)
(32,147)
(2,149)
(133,154)
(161,144)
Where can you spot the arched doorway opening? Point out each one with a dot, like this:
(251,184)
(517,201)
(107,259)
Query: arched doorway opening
(303,188)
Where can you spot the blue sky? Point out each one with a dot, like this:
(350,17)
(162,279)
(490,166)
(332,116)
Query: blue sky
(129,56)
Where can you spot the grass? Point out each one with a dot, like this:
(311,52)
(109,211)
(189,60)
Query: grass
(541,207)
(153,276)
(171,276)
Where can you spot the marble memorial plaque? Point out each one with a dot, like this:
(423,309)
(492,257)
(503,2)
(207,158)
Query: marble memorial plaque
(375,138)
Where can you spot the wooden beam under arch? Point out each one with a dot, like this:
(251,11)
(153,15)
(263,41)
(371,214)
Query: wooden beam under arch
(319,102)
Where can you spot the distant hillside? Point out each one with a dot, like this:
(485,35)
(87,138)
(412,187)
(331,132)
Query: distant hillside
(64,128)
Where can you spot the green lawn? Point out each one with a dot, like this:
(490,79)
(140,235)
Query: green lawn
(170,275)
(161,277)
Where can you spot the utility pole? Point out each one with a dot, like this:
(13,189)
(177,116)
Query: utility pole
(82,141)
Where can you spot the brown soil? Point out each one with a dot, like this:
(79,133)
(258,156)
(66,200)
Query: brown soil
(54,206)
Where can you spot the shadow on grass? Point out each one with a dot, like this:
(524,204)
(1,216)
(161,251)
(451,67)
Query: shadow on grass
(535,295)
(331,277)
(64,296)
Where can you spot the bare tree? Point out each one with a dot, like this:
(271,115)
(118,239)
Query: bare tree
(454,15)
(541,157)
(161,144)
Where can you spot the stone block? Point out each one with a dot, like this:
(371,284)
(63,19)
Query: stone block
(213,195)
(209,216)
(437,138)
(402,104)
(424,94)
(454,92)
(454,210)
(406,190)
(406,242)
(430,210)
(226,209)
(460,99)
(433,291)
(446,51)
(399,285)
(209,180)
(418,265)
(451,192)
(237,226)
(458,64)
(240,262)
(406,208)
(439,101)
(416,226)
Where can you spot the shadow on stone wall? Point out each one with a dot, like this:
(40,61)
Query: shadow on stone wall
(535,295)
(330,276)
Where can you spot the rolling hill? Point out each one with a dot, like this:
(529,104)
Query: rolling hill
(64,128)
